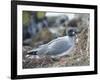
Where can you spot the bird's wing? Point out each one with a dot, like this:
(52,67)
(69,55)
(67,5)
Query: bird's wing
(58,40)
(58,46)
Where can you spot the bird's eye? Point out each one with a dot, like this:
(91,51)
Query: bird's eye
(73,32)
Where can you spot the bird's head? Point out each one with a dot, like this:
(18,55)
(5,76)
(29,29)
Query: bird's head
(73,32)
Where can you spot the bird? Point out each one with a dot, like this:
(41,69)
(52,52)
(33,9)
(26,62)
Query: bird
(58,47)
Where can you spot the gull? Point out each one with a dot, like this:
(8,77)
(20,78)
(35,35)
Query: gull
(58,47)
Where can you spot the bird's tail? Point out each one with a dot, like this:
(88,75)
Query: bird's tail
(32,52)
